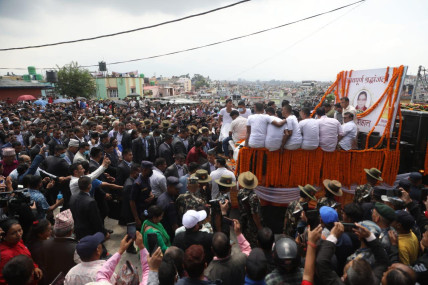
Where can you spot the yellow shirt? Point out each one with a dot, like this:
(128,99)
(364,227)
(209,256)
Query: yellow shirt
(408,248)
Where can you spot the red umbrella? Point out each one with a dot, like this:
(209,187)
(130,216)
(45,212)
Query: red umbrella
(26,98)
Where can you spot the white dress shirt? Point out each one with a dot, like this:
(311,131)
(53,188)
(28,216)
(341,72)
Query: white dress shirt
(295,141)
(349,135)
(274,135)
(310,133)
(216,174)
(259,124)
(74,186)
(157,182)
(227,119)
(238,127)
(350,109)
(329,130)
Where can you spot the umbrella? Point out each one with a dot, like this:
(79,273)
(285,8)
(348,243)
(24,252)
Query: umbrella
(62,100)
(134,95)
(40,102)
(120,103)
(26,98)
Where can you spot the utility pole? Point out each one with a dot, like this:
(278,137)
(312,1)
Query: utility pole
(416,83)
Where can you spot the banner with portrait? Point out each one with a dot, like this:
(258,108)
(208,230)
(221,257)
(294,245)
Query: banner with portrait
(368,91)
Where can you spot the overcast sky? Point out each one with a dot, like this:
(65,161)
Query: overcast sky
(375,34)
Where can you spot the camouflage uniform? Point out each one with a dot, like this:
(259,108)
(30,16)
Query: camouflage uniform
(325,201)
(290,227)
(247,208)
(361,191)
(204,194)
(187,201)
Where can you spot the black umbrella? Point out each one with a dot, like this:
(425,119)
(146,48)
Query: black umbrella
(121,103)
(134,95)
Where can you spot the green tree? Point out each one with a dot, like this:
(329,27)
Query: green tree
(74,81)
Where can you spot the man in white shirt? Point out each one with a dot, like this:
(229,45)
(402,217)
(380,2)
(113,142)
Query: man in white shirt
(238,131)
(309,129)
(330,129)
(293,137)
(78,171)
(346,107)
(257,127)
(225,119)
(216,174)
(274,135)
(158,179)
(243,111)
(348,140)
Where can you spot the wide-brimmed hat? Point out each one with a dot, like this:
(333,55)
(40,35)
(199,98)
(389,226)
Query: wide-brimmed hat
(165,124)
(226,181)
(202,175)
(309,191)
(333,186)
(192,129)
(374,173)
(248,180)
(148,122)
(201,130)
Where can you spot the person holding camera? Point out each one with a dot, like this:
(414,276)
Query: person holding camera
(294,209)
(249,207)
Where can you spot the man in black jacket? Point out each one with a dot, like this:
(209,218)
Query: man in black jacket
(178,169)
(166,151)
(124,167)
(143,148)
(63,245)
(180,144)
(85,211)
(210,164)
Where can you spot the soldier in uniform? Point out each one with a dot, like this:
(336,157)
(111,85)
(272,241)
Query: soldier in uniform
(188,200)
(249,207)
(141,197)
(292,214)
(333,188)
(364,192)
(204,191)
(383,216)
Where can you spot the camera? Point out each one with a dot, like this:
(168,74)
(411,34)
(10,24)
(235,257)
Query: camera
(216,202)
(14,199)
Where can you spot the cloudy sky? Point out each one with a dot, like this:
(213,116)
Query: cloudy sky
(375,34)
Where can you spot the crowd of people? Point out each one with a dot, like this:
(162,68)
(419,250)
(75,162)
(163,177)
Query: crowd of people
(163,172)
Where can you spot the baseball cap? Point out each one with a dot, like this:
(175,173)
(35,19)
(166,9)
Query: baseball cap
(87,245)
(172,180)
(415,176)
(405,219)
(328,215)
(192,217)
(146,164)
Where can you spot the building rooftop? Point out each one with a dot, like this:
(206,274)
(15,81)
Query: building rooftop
(9,83)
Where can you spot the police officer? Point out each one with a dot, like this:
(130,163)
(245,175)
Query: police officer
(249,207)
(188,200)
(333,188)
(294,209)
(364,192)
(204,179)
(141,197)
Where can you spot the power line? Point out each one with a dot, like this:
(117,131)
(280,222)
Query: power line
(235,38)
(224,41)
(128,31)
(296,42)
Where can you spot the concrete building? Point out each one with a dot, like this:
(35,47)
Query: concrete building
(118,87)
(186,83)
(12,89)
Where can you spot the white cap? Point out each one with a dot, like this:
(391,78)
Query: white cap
(192,217)
(73,142)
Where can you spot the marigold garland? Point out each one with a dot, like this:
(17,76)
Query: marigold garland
(386,75)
